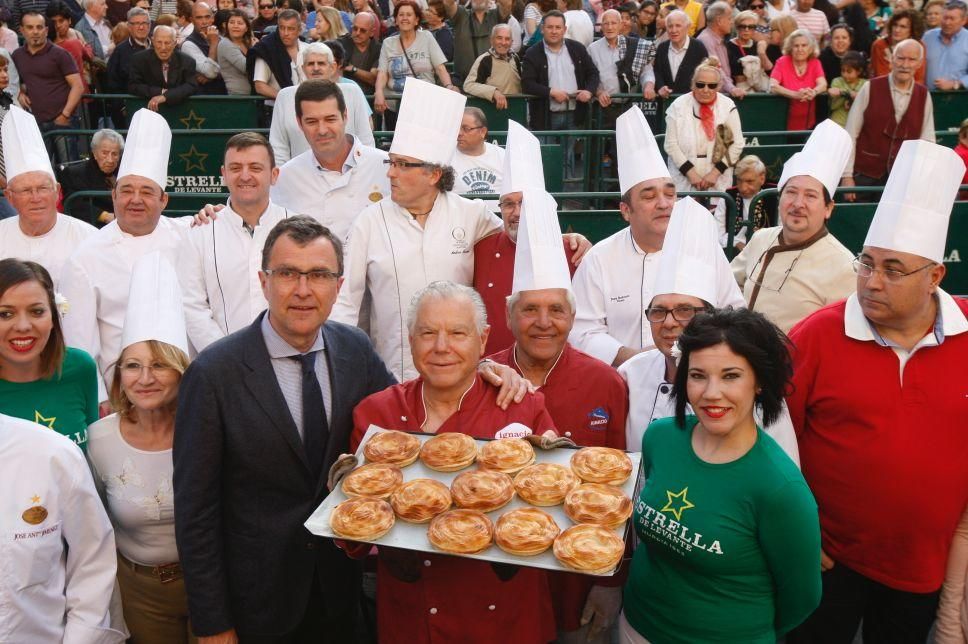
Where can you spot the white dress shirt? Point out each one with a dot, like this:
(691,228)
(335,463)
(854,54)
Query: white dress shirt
(102,30)
(606,58)
(561,75)
(676,56)
(51,249)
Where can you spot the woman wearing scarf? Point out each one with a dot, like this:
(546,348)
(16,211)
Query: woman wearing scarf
(704,138)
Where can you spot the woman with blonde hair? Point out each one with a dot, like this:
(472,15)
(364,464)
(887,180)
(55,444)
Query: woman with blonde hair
(329,24)
(770,49)
(798,76)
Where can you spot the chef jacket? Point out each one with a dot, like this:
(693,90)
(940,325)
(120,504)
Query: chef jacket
(57,556)
(333,198)
(494,278)
(650,398)
(96,280)
(50,250)
(588,402)
(219,274)
(613,286)
(458,599)
(389,257)
(788,282)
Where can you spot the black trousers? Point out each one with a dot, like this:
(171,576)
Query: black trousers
(889,616)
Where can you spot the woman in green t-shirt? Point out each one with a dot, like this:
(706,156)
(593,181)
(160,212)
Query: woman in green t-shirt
(41,380)
(729,534)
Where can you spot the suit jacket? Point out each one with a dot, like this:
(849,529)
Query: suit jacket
(243,486)
(86,30)
(681,83)
(146,80)
(534,80)
(118,64)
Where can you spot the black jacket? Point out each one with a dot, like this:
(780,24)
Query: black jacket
(118,64)
(534,80)
(682,81)
(272,50)
(146,80)
(243,488)
(86,175)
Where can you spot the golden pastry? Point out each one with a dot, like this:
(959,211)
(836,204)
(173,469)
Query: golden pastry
(600,504)
(590,549)
(464,532)
(508,455)
(602,465)
(420,500)
(484,490)
(449,452)
(525,532)
(362,519)
(377,480)
(395,448)
(545,484)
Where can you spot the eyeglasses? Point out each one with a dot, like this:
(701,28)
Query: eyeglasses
(360,30)
(138,24)
(316,277)
(466,129)
(754,7)
(509,206)
(406,164)
(679,314)
(890,275)
(135,368)
(745,27)
(267,6)
(701,85)
(40,191)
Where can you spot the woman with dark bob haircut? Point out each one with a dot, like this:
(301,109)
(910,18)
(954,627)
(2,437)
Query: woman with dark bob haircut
(729,534)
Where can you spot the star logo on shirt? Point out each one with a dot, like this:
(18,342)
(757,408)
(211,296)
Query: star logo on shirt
(41,420)
(677,503)
(193,159)
(193,121)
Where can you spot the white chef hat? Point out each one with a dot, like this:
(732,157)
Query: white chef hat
(155,310)
(639,158)
(823,157)
(428,122)
(146,148)
(913,213)
(692,261)
(23,146)
(539,255)
(523,168)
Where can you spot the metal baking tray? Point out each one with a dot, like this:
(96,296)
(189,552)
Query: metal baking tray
(412,536)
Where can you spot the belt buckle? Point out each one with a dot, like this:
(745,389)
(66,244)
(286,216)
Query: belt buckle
(168,573)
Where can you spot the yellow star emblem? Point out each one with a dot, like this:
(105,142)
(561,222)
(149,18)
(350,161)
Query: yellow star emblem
(35,499)
(677,503)
(40,420)
(193,159)
(193,121)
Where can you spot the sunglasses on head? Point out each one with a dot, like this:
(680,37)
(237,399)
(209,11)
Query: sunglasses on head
(702,85)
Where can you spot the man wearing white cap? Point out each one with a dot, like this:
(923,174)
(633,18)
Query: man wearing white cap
(879,402)
(38,233)
(689,269)
(791,270)
(422,233)
(613,286)
(586,398)
(97,276)
(494,256)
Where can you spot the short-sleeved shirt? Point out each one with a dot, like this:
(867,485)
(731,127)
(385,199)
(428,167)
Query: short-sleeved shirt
(365,60)
(424,55)
(44,75)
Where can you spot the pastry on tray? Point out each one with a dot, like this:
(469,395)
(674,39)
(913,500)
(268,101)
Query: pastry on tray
(464,532)
(545,484)
(525,532)
(377,480)
(508,455)
(602,465)
(420,500)
(362,519)
(590,549)
(484,490)
(604,505)
(449,452)
(393,447)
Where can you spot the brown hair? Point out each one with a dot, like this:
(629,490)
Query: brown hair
(167,354)
(914,17)
(3,62)
(400,4)
(14,272)
(246,140)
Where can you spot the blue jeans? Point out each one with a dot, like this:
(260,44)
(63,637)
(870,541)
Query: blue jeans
(565,121)
(62,149)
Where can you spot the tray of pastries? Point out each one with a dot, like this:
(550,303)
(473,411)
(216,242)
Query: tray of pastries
(499,500)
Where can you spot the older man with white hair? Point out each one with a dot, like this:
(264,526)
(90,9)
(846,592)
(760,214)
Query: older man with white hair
(95,28)
(38,233)
(472,29)
(675,59)
(496,72)
(719,25)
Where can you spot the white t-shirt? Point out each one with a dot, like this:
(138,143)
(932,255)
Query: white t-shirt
(479,175)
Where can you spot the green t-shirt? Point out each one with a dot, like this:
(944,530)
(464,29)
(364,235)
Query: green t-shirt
(66,403)
(729,552)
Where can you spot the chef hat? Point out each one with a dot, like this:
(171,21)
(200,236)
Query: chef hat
(146,148)
(823,157)
(155,310)
(639,158)
(523,169)
(692,261)
(23,146)
(428,122)
(913,213)
(539,256)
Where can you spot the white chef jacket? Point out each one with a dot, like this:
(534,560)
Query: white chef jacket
(219,274)
(390,257)
(96,279)
(650,398)
(50,250)
(613,287)
(289,141)
(334,199)
(57,562)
